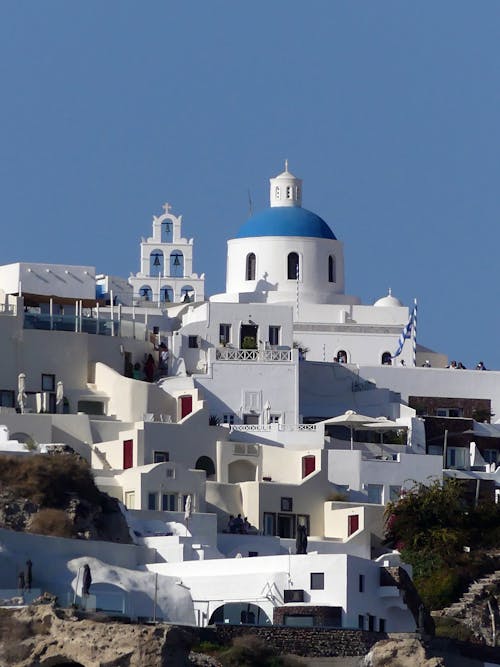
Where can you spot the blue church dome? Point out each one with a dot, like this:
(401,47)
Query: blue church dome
(286,221)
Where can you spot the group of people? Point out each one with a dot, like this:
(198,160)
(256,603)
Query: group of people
(459,366)
(147,370)
(238,525)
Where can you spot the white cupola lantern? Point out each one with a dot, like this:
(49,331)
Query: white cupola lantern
(285,189)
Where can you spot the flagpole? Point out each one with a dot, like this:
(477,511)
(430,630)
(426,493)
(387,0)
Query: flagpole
(414,332)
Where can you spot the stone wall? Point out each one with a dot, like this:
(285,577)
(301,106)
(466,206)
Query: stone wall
(313,642)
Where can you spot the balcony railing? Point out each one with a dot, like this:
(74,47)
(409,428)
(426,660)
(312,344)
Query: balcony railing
(7,309)
(233,354)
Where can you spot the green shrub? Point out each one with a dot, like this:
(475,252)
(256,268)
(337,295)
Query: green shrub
(440,588)
(248,651)
(452,628)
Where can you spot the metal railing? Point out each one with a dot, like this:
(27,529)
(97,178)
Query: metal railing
(233,354)
(7,309)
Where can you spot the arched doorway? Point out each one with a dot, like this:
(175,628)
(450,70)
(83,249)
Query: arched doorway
(205,463)
(240,613)
(386,359)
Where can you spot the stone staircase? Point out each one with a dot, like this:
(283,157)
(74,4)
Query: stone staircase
(476,594)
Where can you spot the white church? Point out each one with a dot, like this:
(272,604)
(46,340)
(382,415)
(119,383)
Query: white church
(282,402)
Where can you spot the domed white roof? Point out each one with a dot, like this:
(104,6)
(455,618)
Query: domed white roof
(388,301)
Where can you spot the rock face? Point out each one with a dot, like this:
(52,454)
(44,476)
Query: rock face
(401,653)
(39,636)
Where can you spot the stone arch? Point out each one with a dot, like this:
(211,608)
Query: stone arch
(166,294)
(240,613)
(167,232)
(156,263)
(187,293)
(176,264)
(146,293)
(241,471)
(25,439)
(205,463)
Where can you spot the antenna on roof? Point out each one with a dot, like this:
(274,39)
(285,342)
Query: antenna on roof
(250,204)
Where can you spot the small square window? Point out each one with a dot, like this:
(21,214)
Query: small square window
(48,382)
(161,457)
(253,554)
(286,504)
(317,581)
(228,419)
(193,341)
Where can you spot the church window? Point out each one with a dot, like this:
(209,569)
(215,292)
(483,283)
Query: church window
(250,269)
(293,266)
(156,263)
(331,269)
(166,231)
(341,357)
(277,192)
(176,264)
(386,359)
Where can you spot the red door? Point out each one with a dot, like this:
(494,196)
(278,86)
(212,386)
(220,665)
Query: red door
(186,405)
(352,524)
(128,454)
(308,465)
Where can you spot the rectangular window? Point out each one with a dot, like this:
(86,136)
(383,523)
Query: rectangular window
(371,623)
(456,457)
(274,335)
(128,454)
(48,382)
(317,581)
(193,342)
(269,523)
(374,492)
(253,554)
(361,621)
(490,455)
(7,398)
(224,333)
(228,419)
(286,504)
(394,493)
(169,502)
(161,457)
(152,501)
(449,412)
(361,583)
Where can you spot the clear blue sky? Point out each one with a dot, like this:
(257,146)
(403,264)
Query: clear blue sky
(388,110)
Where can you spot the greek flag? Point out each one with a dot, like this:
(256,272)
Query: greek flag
(405,334)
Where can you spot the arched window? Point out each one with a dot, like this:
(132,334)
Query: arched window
(386,359)
(341,357)
(331,269)
(176,264)
(146,293)
(250,270)
(166,294)
(187,293)
(156,263)
(293,266)
(167,231)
